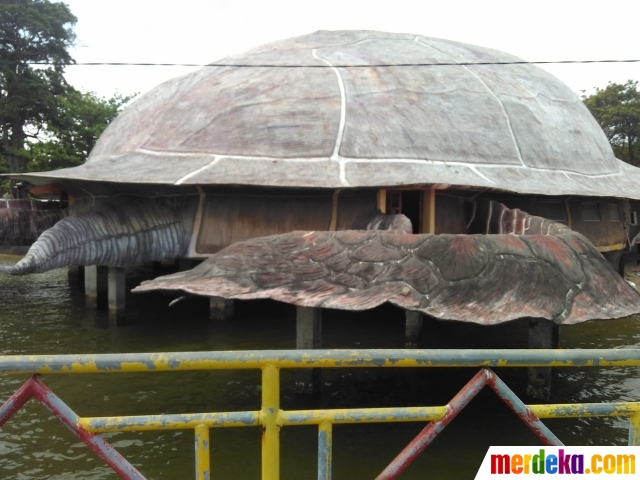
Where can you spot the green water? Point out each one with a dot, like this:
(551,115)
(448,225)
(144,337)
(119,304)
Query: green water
(42,314)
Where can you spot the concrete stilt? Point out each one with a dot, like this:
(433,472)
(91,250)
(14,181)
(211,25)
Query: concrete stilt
(308,337)
(220,308)
(413,328)
(117,290)
(75,275)
(542,334)
(156,268)
(95,286)
(615,260)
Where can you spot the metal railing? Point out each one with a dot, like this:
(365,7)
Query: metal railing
(272,418)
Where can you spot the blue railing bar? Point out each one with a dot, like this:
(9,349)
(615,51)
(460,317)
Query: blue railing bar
(325,451)
(181,361)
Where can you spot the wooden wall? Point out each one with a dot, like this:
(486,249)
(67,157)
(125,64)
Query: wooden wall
(450,214)
(605,232)
(229,218)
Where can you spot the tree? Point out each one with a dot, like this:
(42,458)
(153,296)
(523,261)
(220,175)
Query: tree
(31,31)
(70,137)
(617,110)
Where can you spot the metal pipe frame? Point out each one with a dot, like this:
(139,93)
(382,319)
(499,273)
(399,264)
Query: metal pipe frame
(271,418)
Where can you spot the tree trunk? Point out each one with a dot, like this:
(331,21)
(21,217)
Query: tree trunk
(16,163)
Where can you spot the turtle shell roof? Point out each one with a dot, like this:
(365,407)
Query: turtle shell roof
(259,119)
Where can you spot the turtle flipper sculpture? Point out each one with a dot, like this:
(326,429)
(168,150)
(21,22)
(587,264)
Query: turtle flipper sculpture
(120,232)
(522,266)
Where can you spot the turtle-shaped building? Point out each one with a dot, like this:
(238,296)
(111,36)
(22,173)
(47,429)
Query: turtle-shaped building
(327,132)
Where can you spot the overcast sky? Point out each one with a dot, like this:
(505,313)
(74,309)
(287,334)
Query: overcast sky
(201,31)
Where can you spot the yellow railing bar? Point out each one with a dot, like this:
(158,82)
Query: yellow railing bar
(581,410)
(269,420)
(334,416)
(203,467)
(361,415)
(169,422)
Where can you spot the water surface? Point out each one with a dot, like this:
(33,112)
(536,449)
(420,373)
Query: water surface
(43,314)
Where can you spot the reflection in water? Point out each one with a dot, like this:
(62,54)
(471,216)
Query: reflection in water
(41,314)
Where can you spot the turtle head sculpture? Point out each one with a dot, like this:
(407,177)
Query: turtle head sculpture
(121,232)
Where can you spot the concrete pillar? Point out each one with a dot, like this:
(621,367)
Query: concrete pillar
(75,275)
(308,337)
(615,260)
(413,328)
(220,308)
(116,281)
(308,328)
(542,334)
(156,268)
(95,286)
(631,257)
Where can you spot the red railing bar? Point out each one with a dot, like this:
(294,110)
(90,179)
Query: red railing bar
(522,410)
(461,400)
(16,401)
(38,390)
(426,436)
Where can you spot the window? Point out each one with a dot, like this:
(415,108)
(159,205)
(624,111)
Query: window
(634,218)
(614,212)
(394,202)
(591,212)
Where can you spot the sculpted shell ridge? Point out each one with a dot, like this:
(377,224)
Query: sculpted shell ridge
(343,109)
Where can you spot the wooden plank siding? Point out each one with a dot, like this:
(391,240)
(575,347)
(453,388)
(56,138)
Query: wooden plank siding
(231,218)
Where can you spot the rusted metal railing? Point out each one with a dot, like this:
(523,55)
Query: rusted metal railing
(272,418)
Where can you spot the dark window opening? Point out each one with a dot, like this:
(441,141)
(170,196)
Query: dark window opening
(614,212)
(634,218)
(406,202)
(590,212)
(394,202)
(411,207)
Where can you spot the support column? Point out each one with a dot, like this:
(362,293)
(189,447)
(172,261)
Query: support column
(308,337)
(156,269)
(221,308)
(542,334)
(413,328)
(95,286)
(75,275)
(615,260)
(117,291)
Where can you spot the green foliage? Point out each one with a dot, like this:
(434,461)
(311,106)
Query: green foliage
(617,110)
(70,137)
(31,31)
(44,122)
